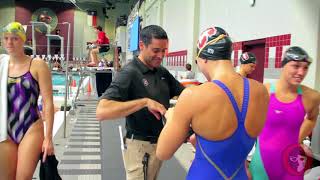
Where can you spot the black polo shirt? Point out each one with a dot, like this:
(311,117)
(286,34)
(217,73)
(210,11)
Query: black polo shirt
(135,81)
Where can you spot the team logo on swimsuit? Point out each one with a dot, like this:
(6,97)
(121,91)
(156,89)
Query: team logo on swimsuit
(145,82)
(277,111)
(205,35)
(297,159)
(245,56)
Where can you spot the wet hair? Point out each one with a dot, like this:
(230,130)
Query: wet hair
(214,44)
(188,67)
(247,58)
(152,31)
(99,28)
(58,31)
(295,53)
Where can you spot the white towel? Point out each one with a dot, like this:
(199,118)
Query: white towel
(4,64)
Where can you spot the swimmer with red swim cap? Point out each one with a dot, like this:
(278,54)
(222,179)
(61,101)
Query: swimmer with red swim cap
(223,113)
(248,64)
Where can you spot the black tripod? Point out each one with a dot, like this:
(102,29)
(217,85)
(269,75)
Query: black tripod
(145,165)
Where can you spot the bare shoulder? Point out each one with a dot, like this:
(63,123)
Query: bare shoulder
(311,95)
(39,69)
(267,85)
(187,98)
(255,83)
(192,95)
(204,89)
(189,92)
(39,65)
(259,89)
(39,62)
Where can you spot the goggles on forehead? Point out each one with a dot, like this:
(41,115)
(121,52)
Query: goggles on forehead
(295,54)
(297,57)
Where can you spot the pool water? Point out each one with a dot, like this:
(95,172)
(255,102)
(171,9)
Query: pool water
(58,83)
(60,79)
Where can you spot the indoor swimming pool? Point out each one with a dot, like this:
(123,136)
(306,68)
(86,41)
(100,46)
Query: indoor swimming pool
(58,83)
(59,79)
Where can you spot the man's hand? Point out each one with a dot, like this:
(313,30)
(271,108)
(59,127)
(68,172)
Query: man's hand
(156,108)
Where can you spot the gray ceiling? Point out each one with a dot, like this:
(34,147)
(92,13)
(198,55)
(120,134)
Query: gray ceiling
(92,1)
(109,4)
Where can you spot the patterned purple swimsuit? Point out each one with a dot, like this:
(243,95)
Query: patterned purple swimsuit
(23,93)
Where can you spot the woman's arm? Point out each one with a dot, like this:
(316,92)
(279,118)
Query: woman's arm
(45,84)
(311,117)
(176,129)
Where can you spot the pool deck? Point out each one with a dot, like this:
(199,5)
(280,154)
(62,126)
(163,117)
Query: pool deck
(91,149)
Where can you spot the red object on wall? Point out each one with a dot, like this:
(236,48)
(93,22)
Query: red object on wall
(276,41)
(266,58)
(235,62)
(257,47)
(94,21)
(92,18)
(278,56)
(177,58)
(236,46)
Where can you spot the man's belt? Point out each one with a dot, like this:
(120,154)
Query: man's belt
(151,139)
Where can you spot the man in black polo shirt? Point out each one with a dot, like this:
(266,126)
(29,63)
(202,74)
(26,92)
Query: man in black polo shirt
(141,91)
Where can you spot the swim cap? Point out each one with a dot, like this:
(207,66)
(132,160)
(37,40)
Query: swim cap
(295,53)
(214,44)
(247,58)
(15,28)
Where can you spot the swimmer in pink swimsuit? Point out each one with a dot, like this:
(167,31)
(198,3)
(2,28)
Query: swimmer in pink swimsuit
(278,152)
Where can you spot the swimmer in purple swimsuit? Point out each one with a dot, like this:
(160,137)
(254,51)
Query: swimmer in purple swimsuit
(292,115)
(26,79)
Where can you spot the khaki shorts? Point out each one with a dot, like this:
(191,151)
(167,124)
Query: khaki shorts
(133,157)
